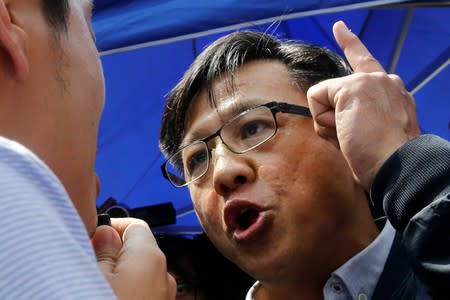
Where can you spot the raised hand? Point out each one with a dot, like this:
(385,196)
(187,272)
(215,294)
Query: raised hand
(132,262)
(368,114)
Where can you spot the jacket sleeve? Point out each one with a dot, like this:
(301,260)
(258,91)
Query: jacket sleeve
(413,186)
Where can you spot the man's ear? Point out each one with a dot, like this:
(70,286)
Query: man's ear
(12,43)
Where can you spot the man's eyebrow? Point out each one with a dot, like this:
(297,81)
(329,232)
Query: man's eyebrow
(226,114)
(239,107)
(193,136)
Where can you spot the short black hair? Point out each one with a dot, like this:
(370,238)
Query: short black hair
(307,65)
(56,13)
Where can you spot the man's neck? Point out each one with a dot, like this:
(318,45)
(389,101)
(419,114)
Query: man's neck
(311,284)
(288,292)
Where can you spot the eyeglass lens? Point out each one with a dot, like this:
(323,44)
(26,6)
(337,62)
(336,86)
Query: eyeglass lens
(242,133)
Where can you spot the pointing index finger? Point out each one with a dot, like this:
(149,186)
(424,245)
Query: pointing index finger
(356,53)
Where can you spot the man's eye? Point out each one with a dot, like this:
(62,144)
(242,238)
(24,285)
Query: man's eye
(196,161)
(250,129)
(255,129)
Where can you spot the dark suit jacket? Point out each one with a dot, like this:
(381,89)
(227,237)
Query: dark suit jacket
(398,280)
(413,187)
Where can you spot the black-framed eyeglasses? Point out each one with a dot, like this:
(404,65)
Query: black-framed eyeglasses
(242,133)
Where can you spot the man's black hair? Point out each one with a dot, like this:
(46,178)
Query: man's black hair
(307,65)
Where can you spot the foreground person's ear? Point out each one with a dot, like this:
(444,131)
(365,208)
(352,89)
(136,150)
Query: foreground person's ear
(12,42)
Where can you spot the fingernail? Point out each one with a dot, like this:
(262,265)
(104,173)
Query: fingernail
(343,29)
(106,237)
(103,236)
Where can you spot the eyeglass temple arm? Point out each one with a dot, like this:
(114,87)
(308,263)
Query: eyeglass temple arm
(294,109)
(163,170)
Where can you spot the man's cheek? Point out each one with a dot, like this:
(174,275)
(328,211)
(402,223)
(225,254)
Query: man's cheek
(278,175)
(207,209)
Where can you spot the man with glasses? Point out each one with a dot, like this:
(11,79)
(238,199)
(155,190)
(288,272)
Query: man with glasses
(280,144)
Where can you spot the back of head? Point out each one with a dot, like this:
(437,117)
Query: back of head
(50,71)
(308,64)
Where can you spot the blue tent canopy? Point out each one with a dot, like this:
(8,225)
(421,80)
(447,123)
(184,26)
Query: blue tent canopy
(147,45)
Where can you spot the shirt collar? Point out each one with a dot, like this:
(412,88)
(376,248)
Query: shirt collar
(360,274)
(252,291)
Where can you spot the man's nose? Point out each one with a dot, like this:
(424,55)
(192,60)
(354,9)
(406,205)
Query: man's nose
(230,170)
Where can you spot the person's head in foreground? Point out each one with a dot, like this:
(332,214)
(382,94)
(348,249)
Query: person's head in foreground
(52,96)
(276,198)
(52,90)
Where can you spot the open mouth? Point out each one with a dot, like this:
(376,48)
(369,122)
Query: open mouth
(246,218)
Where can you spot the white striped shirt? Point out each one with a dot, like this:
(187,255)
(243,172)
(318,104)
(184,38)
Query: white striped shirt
(45,251)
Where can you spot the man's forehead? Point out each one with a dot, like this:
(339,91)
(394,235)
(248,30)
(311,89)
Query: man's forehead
(254,83)
(221,108)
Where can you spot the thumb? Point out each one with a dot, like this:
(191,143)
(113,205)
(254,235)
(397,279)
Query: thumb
(107,245)
(355,51)
(321,103)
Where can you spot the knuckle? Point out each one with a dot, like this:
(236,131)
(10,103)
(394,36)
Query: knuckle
(172,281)
(365,60)
(395,77)
(397,80)
(353,39)
(312,91)
(159,256)
(360,81)
(380,77)
(343,94)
